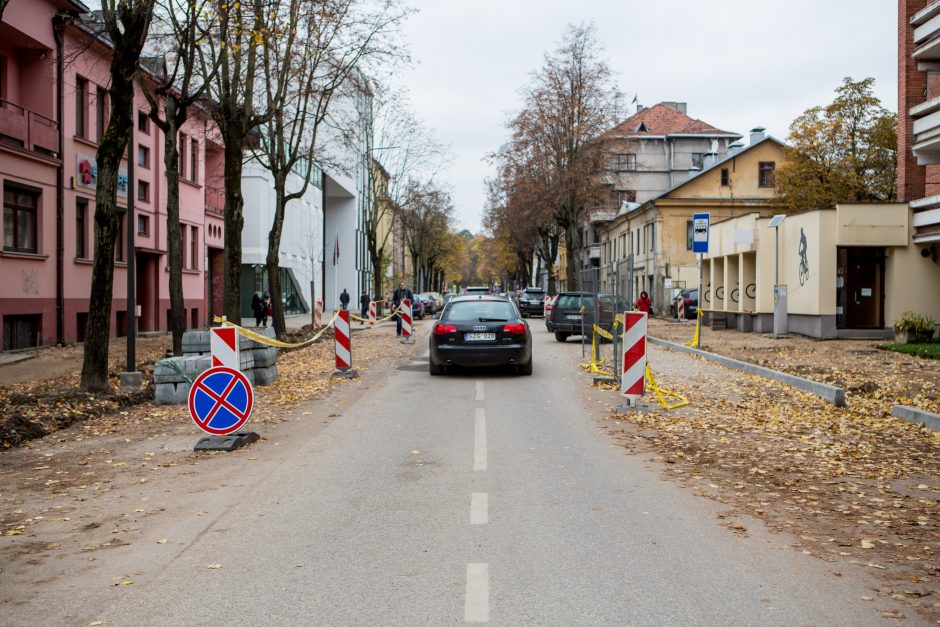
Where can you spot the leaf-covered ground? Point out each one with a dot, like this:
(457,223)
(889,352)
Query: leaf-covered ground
(855,486)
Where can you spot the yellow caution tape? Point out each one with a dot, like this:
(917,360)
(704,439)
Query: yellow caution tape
(595,364)
(263,339)
(698,327)
(662,393)
(388,317)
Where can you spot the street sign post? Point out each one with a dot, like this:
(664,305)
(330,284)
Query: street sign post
(220,402)
(701,227)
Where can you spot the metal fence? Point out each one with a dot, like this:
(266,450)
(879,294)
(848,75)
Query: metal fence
(607,291)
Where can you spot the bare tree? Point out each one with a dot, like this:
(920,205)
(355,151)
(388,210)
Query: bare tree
(315,51)
(178,88)
(126,24)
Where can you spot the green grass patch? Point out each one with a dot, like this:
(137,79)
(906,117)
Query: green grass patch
(924,350)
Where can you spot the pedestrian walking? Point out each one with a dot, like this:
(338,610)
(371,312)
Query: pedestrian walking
(364,301)
(643,303)
(268,309)
(344,300)
(257,307)
(401,294)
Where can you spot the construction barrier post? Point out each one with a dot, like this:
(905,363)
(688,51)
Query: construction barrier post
(680,307)
(223,345)
(372,312)
(343,347)
(407,336)
(633,369)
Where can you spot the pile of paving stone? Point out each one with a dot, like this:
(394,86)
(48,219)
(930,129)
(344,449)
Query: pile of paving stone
(172,376)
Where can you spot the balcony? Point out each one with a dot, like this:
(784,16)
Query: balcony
(594,252)
(926,123)
(926,23)
(27,129)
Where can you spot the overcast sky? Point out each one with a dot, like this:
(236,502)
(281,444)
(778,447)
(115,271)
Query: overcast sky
(737,63)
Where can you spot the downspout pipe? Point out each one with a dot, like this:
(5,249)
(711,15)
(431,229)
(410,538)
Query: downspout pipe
(58,26)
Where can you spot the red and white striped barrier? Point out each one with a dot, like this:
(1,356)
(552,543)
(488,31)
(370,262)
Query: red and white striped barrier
(406,320)
(341,340)
(372,310)
(680,307)
(318,315)
(633,375)
(223,344)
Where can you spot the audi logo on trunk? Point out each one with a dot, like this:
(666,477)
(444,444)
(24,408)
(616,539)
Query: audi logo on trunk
(480,327)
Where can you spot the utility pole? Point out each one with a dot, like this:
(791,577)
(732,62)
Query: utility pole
(130,378)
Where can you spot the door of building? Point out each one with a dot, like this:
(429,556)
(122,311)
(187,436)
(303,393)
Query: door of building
(146,294)
(862,287)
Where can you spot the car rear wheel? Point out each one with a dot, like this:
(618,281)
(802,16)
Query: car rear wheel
(434,369)
(560,337)
(525,368)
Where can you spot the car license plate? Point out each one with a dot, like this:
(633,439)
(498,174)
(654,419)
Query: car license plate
(479,337)
(574,317)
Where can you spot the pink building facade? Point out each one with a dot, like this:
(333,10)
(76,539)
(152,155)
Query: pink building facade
(54,105)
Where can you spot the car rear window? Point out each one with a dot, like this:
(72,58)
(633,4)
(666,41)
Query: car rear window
(473,310)
(568,301)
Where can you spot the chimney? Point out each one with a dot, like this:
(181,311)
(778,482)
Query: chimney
(639,108)
(735,147)
(757,134)
(681,107)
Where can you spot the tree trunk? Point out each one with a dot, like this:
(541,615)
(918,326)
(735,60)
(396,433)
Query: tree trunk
(234,221)
(573,244)
(173,235)
(273,259)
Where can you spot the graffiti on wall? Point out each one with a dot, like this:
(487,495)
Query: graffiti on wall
(29,279)
(804,263)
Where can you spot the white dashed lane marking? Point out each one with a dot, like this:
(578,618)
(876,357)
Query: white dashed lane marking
(479,508)
(479,390)
(476,607)
(479,440)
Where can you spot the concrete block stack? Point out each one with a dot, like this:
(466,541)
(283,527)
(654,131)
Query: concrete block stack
(257,361)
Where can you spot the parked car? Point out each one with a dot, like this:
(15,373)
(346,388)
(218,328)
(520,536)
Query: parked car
(427,302)
(573,311)
(417,308)
(532,301)
(691,304)
(438,300)
(549,304)
(447,297)
(480,331)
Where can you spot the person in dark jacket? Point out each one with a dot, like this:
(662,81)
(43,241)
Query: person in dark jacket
(364,301)
(643,303)
(344,300)
(257,307)
(268,309)
(401,294)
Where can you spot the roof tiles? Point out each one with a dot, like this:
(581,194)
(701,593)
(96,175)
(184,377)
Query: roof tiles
(662,119)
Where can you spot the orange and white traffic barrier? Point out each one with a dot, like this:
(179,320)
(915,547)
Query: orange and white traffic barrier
(223,345)
(405,314)
(318,314)
(372,312)
(633,373)
(343,345)
(680,307)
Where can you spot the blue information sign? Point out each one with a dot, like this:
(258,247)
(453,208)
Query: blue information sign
(700,228)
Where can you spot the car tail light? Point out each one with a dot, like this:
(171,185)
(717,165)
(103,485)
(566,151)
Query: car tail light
(515,329)
(444,329)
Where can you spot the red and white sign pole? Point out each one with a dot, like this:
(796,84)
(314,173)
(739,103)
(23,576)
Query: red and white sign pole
(223,344)
(372,315)
(343,346)
(633,375)
(680,306)
(405,313)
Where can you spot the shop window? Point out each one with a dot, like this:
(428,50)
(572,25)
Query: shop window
(20,220)
(21,331)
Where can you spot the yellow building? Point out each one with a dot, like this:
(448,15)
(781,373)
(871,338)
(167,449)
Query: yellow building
(658,233)
(849,271)
(382,219)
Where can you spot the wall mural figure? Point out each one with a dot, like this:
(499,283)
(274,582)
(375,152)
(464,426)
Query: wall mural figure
(804,264)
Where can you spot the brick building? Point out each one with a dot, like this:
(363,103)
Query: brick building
(54,105)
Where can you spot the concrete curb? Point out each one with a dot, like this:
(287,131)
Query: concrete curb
(830,393)
(917,416)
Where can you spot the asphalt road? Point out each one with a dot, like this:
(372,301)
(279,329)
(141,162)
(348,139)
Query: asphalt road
(470,497)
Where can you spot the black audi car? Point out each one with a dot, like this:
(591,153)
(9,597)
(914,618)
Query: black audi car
(480,331)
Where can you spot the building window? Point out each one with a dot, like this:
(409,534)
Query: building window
(119,241)
(81,228)
(765,174)
(183,245)
(143,190)
(20,219)
(143,156)
(194,248)
(689,234)
(143,225)
(81,105)
(193,157)
(181,146)
(143,123)
(698,158)
(101,97)
(21,331)
(623,162)
(725,177)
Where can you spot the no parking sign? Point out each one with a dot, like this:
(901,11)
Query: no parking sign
(220,400)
